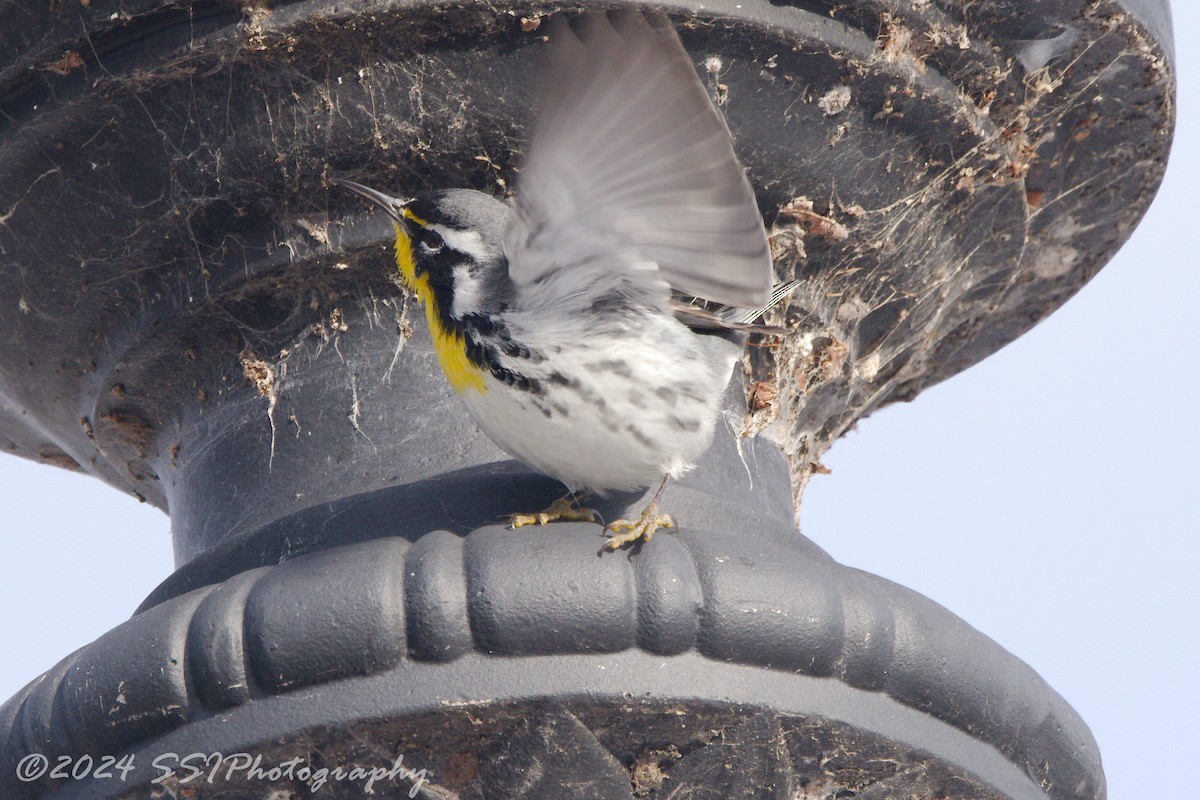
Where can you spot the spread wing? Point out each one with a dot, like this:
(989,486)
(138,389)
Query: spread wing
(631,166)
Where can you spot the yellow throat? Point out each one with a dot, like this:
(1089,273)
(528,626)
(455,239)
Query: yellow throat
(450,346)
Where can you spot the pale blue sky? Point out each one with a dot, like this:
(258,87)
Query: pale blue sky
(1049,496)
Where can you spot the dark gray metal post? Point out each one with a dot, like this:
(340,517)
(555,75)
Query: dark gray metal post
(192,316)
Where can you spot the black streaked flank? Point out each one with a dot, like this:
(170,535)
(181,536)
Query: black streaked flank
(494,329)
(484,354)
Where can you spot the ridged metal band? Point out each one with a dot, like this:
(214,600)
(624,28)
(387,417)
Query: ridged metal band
(693,605)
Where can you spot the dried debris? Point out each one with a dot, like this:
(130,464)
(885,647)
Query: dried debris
(261,375)
(70,61)
(897,45)
(258,373)
(647,774)
(800,211)
(763,396)
(797,220)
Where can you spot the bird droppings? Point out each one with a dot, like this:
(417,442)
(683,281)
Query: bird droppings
(835,101)
(1054,260)
(713,67)
(867,368)
(1035,54)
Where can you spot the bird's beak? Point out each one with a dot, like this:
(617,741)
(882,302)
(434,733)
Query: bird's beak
(394,206)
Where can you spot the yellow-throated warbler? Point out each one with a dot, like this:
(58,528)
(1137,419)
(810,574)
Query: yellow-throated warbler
(592,329)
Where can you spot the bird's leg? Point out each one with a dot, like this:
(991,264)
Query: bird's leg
(644,526)
(564,509)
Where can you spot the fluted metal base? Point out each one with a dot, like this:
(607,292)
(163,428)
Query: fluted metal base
(760,634)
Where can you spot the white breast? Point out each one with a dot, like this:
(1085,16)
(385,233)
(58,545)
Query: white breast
(613,410)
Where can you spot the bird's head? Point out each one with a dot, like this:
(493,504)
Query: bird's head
(449,249)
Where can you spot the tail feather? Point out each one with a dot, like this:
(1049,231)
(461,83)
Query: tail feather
(708,319)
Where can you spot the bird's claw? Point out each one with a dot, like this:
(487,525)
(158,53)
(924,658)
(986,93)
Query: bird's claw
(626,531)
(561,510)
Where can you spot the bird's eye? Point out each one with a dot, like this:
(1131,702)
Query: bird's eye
(431,241)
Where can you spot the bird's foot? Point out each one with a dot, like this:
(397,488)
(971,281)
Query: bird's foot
(564,509)
(626,531)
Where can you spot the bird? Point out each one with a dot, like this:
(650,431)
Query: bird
(592,325)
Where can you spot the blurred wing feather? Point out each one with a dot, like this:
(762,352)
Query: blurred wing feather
(631,165)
